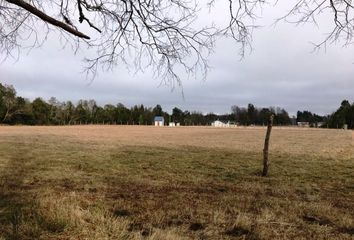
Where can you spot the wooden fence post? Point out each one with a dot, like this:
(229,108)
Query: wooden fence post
(266,147)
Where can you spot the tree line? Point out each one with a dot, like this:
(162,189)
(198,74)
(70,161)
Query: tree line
(343,116)
(18,110)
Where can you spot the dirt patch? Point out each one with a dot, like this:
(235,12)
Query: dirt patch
(348,230)
(196,227)
(237,232)
(316,220)
(121,213)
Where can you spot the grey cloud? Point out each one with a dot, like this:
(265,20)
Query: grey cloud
(280,71)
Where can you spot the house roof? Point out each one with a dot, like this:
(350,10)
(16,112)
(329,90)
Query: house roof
(159,119)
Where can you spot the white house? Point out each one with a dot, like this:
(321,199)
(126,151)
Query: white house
(174,124)
(218,123)
(303,124)
(159,121)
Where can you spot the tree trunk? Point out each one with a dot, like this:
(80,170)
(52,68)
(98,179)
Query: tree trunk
(266,147)
(6,116)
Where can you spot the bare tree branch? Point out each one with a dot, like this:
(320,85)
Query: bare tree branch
(341,11)
(47,18)
(164,35)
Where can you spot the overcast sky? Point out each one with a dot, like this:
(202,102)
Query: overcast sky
(281,71)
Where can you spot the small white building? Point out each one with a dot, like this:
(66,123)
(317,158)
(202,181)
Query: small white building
(303,124)
(320,124)
(218,123)
(174,124)
(159,121)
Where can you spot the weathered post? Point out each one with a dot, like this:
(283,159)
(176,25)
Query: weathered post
(266,147)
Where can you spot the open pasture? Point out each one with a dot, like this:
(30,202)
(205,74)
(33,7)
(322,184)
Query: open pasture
(137,182)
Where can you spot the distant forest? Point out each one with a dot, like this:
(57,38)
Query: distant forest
(18,110)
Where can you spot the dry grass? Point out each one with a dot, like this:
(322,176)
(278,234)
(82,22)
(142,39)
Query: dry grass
(123,182)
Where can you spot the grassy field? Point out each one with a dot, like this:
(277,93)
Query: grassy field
(125,182)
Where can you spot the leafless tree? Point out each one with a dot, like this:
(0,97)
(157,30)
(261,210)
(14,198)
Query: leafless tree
(10,102)
(158,33)
(162,34)
(312,11)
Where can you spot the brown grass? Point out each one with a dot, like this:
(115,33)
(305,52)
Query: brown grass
(288,140)
(125,182)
